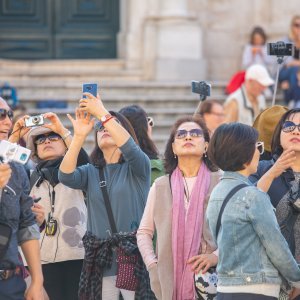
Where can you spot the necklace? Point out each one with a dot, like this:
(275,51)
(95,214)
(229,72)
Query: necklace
(186,191)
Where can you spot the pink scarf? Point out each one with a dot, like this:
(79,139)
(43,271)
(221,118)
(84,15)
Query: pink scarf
(187,232)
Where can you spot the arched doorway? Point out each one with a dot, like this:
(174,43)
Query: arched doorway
(58,29)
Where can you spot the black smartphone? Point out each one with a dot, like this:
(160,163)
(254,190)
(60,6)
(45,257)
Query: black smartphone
(36,200)
(91,88)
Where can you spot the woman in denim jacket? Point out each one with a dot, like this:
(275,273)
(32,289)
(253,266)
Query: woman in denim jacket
(252,251)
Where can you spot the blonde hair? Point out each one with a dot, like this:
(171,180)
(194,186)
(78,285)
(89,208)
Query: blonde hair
(291,33)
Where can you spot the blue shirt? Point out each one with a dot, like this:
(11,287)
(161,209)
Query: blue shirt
(15,211)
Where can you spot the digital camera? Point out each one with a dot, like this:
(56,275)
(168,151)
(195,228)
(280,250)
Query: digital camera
(51,227)
(13,152)
(202,88)
(34,121)
(280,49)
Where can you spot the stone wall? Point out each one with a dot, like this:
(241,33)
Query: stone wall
(188,39)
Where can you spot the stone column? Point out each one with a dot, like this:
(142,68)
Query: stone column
(173,44)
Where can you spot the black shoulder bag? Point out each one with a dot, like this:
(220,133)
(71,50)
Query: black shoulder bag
(126,278)
(226,200)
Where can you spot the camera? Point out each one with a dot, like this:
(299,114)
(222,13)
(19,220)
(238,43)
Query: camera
(280,49)
(34,121)
(51,226)
(202,88)
(13,152)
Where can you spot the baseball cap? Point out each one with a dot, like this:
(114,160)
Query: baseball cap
(260,74)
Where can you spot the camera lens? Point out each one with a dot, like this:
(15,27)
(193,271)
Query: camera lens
(35,120)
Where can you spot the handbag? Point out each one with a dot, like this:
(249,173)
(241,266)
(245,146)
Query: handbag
(206,284)
(126,278)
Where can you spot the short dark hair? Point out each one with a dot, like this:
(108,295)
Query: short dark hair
(170,162)
(276,147)
(232,146)
(138,119)
(207,105)
(97,157)
(258,30)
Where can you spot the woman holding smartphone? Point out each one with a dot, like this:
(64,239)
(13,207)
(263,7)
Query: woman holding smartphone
(126,171)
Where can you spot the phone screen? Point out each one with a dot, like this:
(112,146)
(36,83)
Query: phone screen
(90,88)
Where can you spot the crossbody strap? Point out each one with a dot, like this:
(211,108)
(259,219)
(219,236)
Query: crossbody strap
(226,200)
(106,201)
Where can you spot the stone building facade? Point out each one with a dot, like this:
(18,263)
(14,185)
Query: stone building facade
(185,39)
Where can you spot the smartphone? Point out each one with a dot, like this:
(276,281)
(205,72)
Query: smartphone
(90,88)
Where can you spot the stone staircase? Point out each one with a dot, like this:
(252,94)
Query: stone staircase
(62,80)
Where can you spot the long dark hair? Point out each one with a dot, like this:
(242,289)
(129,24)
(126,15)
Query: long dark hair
(97,157)
(170,161)
(276,148)
(260,31)
(138,119)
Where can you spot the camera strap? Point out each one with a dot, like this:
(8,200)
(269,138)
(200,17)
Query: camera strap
(245,103)
(106,201)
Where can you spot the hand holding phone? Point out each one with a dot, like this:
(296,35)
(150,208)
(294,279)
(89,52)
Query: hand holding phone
(91,88)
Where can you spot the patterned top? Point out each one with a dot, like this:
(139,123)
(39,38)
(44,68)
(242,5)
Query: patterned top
(285,210)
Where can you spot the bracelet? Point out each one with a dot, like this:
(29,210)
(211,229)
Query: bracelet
(109,118)
(66,135)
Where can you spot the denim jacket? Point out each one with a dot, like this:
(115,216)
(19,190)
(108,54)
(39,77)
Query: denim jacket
(251,247)
(15,211)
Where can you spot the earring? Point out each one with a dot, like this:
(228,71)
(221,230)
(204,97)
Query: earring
(175,156)
(205,154)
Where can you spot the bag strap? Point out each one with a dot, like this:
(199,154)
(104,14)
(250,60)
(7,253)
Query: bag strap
(106,201)
(226,200)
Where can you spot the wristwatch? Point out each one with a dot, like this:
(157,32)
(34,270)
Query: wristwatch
(105,118)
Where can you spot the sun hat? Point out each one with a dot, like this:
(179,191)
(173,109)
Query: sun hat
(266,122)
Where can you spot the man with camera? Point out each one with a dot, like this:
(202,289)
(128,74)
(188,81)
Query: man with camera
(248,101)
(17,226)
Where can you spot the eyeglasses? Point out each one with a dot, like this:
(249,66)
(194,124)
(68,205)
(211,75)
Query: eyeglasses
(52,137)
(99,126)
(182,133)
(150,121)
(4,112)
(289,126)
(220,115)
(297,25)
(260,147)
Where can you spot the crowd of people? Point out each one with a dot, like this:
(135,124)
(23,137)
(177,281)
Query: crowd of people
(215,217)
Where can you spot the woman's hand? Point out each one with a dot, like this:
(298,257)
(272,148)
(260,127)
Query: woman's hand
(82,124)
(93,105)
(202,262)
(55,125)
(19,130)
(294,293)
(39,212)
(285,161)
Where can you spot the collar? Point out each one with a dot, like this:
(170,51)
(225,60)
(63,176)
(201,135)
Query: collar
(236,176)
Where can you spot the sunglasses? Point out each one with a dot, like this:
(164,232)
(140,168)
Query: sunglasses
(150,121)
(52,137)
(182,133)
(289,126)
(99,126)
(260,147)
(4,113)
